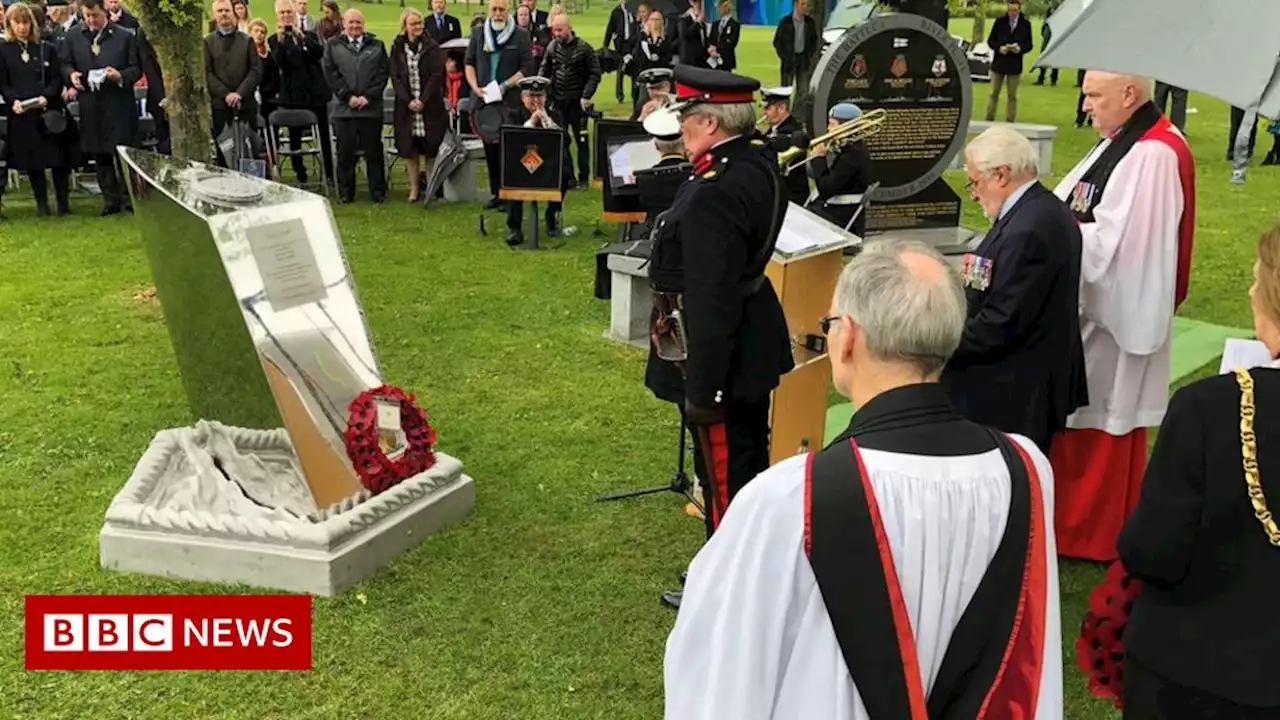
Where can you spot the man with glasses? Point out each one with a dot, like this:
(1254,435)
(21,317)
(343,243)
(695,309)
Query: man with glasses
(1020,364)
(720,338)
(898,572)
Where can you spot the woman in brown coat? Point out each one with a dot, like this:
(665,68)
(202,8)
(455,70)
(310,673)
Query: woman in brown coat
(417,75)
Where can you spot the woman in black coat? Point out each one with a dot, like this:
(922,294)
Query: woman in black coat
(419,116)
(30,71)
(1202,635)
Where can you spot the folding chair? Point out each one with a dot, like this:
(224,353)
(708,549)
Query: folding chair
(389,130)
(87,180)
(308,146)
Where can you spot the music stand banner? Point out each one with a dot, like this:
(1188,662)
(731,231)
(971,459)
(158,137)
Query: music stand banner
(532,164)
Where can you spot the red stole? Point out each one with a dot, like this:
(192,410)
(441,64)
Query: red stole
(1163,131)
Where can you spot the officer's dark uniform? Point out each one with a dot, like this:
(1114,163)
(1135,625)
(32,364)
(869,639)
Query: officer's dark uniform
(538,85)
(782,136)
(710,251)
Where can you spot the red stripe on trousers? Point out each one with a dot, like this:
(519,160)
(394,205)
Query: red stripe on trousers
(719,473)
(901,620)
(1016,689)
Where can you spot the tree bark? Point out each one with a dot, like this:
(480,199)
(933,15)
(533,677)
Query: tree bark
(980,22)
(176,33)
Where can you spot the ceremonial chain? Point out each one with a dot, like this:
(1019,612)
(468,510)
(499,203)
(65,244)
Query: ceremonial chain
(1249,448)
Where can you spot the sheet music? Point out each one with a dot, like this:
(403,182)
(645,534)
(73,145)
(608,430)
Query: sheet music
(804,232)
(1243,353)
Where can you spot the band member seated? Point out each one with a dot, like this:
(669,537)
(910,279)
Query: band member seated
(841,174)
(657,83)
(658,185)
(720,340)
(534,113)
(785,130)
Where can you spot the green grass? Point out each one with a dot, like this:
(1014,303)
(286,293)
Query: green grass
(543,604)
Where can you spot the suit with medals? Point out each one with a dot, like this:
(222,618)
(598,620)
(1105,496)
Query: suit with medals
(707,267)
(1020,364)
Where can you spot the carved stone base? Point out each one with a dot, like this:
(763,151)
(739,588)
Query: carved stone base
(323,553)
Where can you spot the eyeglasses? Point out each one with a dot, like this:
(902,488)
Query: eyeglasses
(825,322)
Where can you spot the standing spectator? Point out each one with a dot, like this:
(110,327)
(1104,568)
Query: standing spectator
(574,71)
(621,33)
(653,49)
(796,44)
(1273,157)
(240,9)
(1010,39)
(540,18)
(331,22)
(119,16)
(29,71)
(693,36)
(298,54)
(269,87)
(1178,113)
(442,27)
(499,52)
(1046,34)
(306,23)
(1237,118)
(232,71)
(100,65)
(153,76)
(1200,641)
(723,43)
(538,40)
(417,74)
(356,66)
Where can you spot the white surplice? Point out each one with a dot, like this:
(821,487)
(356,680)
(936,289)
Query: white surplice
(753,640)
(1128,271)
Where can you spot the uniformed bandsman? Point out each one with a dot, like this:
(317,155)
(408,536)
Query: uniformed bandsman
(841,174)
(657,83)
(658,185)
(785,130)
(720,341)
(534,112)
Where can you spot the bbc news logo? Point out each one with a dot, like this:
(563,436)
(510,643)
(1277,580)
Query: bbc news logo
(168,632)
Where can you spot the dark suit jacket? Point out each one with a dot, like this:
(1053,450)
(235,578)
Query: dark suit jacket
(726,42)
(847,172)
(693,42)
(452,29)
(616,30)
(784,38)
(1020,364)
(1001,34)
(1207,616)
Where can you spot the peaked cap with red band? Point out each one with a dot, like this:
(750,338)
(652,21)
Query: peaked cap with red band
(704,85)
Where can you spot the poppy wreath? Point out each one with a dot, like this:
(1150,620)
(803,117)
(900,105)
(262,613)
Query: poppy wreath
(1100,648)
(377,472)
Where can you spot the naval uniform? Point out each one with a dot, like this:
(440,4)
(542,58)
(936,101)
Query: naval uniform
(711,249)
(780,138)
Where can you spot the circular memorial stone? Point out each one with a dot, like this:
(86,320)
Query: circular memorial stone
(228,188)
(916,71)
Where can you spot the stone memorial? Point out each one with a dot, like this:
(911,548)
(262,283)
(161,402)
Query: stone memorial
(913,69)
(304,470)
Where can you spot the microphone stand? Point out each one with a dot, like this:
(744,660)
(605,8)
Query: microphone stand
(680,483)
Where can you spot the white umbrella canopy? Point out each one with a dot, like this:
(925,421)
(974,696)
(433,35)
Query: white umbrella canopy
(1228,49)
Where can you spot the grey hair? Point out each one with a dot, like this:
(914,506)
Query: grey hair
(735,118)
(669,147)
(1000,146)
(906,318)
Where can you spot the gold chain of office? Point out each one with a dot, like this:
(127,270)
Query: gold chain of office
(1249,449)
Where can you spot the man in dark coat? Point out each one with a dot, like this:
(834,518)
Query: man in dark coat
(621,33)
(441,26)
(100,64)
(722,43)
(298,54)
(693,36)
(574,71)
(119,16)
(786,131)
(1020,364)
(498,38)
(232,71)
(797,44)
(1010,40)
(721,339)
(357,67)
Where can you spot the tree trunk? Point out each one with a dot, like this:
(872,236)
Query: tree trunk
(979,22)
(175,30)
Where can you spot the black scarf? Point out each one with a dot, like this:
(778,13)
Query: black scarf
(1087,193)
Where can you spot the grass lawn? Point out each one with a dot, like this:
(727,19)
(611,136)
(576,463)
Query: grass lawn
(543,604)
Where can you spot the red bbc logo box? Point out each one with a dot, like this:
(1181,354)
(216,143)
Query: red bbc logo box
(168,632)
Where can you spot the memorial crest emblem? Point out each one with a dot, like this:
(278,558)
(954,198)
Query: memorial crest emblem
(859,66)
(899,66)
(531,160)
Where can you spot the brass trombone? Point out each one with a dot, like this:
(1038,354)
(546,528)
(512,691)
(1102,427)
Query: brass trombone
(860,128)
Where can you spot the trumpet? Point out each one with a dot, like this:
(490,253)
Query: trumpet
(859,128)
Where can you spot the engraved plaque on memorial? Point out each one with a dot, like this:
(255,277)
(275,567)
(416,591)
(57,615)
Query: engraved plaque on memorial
(913,69)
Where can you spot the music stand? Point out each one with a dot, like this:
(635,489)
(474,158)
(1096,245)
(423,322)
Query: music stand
(532,170)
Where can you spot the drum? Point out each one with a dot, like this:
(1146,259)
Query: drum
(487,120)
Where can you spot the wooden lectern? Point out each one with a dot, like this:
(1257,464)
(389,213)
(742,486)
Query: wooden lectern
(804,270)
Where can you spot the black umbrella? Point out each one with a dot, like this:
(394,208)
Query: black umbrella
(451,156)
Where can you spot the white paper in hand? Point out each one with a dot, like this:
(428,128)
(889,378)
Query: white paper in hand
(492,93)
(96,78)
(1243,354)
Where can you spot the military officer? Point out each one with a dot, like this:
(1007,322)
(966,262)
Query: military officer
(658,185)
(720,341)
(657,83)
(841,174)
(786,130)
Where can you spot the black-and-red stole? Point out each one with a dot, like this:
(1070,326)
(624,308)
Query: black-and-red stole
(994,658)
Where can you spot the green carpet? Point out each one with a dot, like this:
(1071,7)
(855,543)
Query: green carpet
(1195,344)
